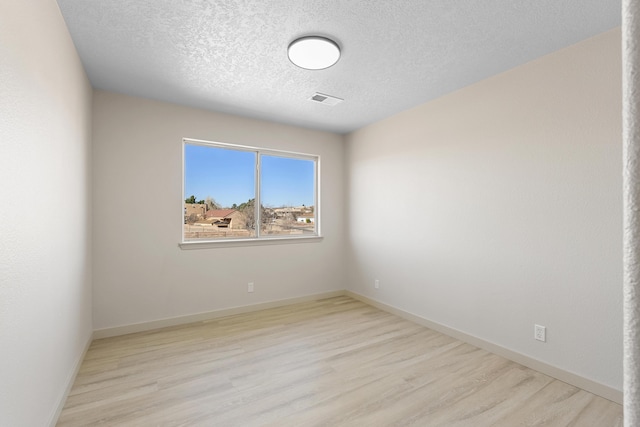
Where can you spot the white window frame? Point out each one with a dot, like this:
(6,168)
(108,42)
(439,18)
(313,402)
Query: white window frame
(257,239)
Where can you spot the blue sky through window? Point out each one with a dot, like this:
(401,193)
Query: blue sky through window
(286,181)
(228,176)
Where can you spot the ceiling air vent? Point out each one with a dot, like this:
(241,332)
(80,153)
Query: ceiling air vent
(325,99)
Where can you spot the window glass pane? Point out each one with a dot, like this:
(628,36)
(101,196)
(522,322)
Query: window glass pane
(287,196)
(219,186)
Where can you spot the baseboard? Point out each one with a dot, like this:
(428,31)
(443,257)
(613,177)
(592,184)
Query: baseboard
(70,380)
(553,371)
(199,317)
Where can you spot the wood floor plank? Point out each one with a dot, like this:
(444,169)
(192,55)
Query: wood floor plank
(330,362)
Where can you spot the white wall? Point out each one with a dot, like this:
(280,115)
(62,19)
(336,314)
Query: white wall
(45,250)
(499,206)
(140,273)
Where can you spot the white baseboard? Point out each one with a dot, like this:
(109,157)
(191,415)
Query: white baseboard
(70,380)
(190,318)
(553,371)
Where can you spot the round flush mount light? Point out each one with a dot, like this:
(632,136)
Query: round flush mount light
(314,52)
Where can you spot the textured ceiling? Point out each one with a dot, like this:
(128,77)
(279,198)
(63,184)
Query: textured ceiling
(231,55)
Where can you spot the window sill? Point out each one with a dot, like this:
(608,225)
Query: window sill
(209,244)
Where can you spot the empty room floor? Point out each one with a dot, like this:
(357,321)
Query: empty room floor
(331,362)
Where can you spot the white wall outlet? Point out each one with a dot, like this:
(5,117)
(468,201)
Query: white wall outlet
(376,284)
(250,287)
(540,333)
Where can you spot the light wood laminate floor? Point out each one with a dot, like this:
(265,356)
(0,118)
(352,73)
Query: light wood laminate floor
(332,362)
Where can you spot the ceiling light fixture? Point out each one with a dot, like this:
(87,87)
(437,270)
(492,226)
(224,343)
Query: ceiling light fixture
(314,52)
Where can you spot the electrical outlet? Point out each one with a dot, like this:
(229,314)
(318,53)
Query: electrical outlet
(376,284)
(540,333)
(250,287)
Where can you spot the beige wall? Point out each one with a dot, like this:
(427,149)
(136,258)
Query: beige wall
(45,253)
(509,197)
(139,270)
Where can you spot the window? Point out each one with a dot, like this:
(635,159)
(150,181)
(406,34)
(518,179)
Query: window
(234,192)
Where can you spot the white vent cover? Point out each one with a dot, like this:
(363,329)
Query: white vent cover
(325,99)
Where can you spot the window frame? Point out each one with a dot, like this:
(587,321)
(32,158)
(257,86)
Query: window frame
(258,239)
